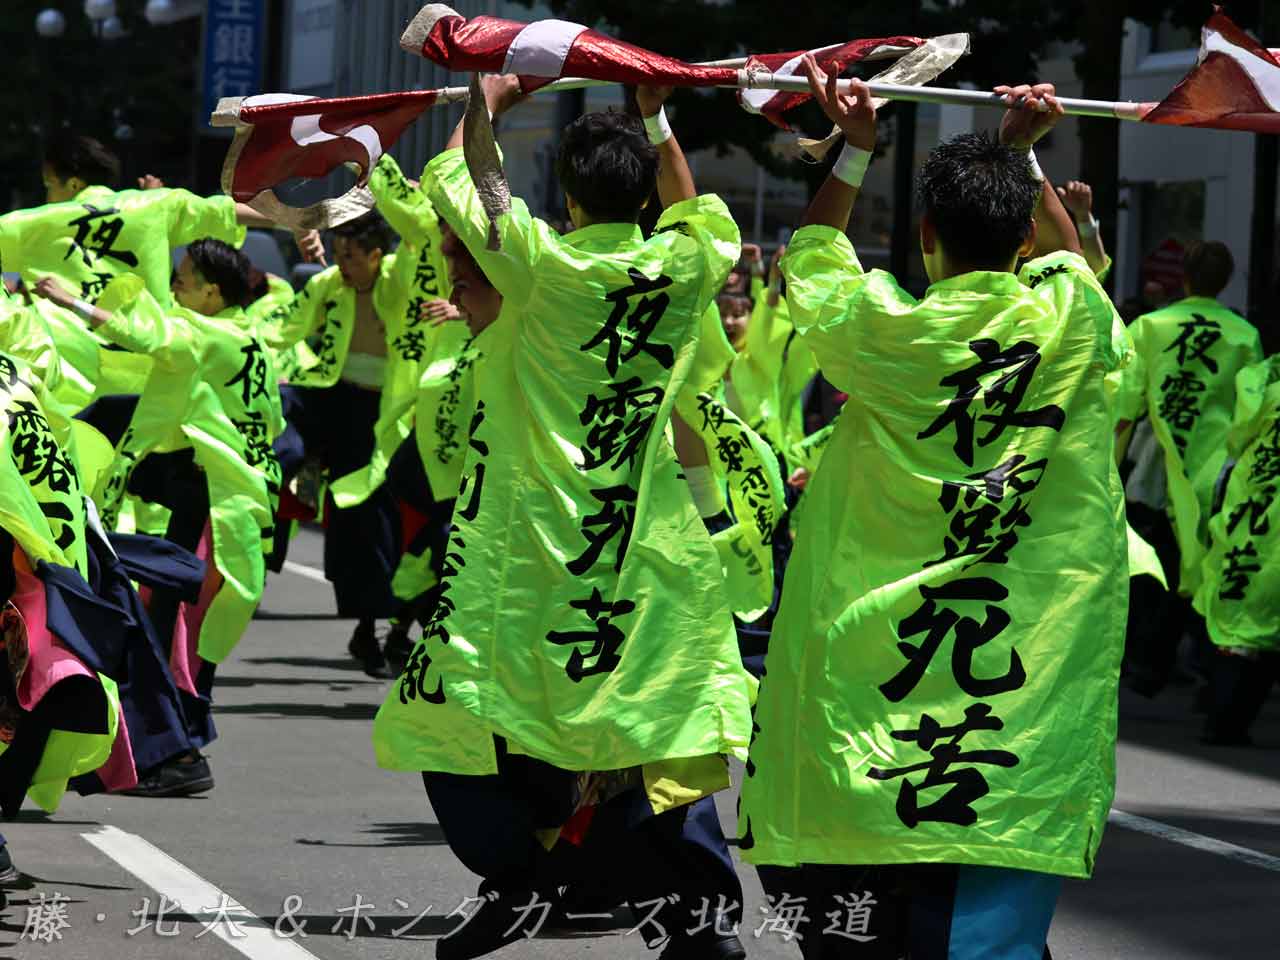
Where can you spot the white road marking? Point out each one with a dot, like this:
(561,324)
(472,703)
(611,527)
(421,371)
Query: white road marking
(195,896)
(302,570)
(1195,841)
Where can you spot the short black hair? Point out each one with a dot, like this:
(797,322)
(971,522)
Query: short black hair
(981,197)
(1207,268)
(455,251)
(225,267)
(607,164)
(370,230)
(74,155)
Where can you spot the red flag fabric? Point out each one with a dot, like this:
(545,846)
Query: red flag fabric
(833,59)
(282,136)
(546,50)
(1235,84)
(295,136)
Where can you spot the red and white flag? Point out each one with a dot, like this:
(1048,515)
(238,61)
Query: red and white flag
(1235,84)
(833,59)
(282,136)
(546,50)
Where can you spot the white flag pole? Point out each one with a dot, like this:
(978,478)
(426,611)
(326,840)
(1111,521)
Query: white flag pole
(748,80)
(1115,109)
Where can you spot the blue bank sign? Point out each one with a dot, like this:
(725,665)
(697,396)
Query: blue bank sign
(234,51)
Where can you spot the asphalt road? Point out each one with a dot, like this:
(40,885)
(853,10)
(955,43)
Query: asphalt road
(303,834)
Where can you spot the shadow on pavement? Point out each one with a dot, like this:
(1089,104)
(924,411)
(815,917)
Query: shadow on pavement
(293,682)
(421,834)
(270,615)
(1146,890)
(344,663)
(1169,725)
(345,711)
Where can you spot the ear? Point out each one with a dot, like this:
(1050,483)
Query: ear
(928,235)
(1029,245)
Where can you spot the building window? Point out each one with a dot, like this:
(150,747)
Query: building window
(1165,37)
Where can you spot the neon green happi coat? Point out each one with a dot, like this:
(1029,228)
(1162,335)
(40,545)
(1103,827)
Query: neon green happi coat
(213,390)
(583,616)
(103,234)
(1240,594)
(420,350)
(770,373)
(444,408)
(66,355)
(1190,353)
(42,508)
(747,468)
(941,680)
(325,310)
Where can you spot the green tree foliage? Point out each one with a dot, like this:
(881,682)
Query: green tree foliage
(139,85)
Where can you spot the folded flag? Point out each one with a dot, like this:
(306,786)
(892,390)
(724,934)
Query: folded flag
(1235,84)
(546,50)
(282,136)
(833,59)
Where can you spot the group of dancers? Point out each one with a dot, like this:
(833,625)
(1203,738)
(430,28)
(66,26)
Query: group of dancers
(570,471)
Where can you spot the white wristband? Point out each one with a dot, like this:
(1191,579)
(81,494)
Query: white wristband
(851,165)
(705,490)
(1035,164)
(658,128)
(1088,229)
(83,307)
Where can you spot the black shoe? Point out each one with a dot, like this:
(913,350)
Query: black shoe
(398,647)
(1226,738)
(364,647)
(173,778)
(1145,683)
(493,926)
(699,947)
(9,874)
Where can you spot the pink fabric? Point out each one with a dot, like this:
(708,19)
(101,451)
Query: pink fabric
(49,661)
(184,658)
(119,772)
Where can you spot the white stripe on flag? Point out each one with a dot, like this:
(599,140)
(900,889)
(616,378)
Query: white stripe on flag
(539,50)
(1265,76)
(306,132)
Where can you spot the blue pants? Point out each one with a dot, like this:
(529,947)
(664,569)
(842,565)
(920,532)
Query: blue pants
(925,911)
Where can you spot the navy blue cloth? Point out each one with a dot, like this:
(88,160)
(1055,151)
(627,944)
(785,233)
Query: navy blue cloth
(362,543)
(111,415)
(85,620)
(157,563)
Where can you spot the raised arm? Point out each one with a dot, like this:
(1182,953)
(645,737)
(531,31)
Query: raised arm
(675,179)
(130,317)
(1033,111)
(451,190)
(1077,197)
(854,114)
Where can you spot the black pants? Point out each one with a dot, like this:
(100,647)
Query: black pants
(173,480)
(1157,617)
(362,543)
(1238,689)
(630,854)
